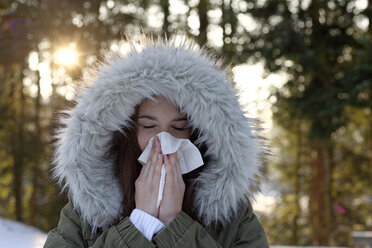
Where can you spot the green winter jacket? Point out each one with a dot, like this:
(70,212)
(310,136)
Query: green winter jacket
(183,231)
(199,86)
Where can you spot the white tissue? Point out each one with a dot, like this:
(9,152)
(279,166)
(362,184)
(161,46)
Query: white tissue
(188,154)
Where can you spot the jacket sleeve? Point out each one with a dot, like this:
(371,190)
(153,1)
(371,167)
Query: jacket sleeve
(183,231)
(71,233)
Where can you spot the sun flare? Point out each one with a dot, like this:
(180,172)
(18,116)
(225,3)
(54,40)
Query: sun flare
(66,56)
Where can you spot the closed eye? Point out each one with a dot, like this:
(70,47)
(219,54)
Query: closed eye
(179,128)
(148,126)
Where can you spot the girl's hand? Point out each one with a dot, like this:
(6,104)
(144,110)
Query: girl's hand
(174,190)
(147,183)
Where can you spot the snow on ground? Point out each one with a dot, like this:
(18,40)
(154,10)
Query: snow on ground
(18,235)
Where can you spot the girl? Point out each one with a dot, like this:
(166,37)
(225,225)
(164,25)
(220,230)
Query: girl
(162,87)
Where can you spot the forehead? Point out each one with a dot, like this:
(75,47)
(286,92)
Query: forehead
(161,105)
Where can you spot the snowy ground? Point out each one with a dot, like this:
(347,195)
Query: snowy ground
(17,235)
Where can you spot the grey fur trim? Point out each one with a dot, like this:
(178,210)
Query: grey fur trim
(195,82)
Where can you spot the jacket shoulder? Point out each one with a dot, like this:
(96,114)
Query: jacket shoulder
(70,227)
(250,230)
(246,211)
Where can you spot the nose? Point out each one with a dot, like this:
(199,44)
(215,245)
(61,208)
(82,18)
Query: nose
(165,128)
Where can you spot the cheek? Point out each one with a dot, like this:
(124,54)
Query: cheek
(143,139)
(181,135)
(185,135)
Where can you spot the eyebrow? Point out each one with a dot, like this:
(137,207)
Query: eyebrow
(155,119)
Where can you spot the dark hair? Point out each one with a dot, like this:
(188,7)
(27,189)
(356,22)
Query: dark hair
(125,151)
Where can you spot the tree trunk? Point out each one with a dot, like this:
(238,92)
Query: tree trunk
(332,228)
(35,168)
(318,206)
(370,147)
(18,151)
(297,188)
(370,94)
(165,6)
(369,16)
(203,20)
(224,20)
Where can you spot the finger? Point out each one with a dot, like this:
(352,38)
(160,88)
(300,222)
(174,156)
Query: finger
(174,160)
(154,166)
(153,159)
(169,169)
(144,171)
(145,168)
(157,170)
(155,153)
(158,145)
(153,148)
(151,164)
(177,169)
(160,159)
(177,174)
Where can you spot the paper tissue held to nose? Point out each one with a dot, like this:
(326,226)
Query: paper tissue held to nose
(188,155)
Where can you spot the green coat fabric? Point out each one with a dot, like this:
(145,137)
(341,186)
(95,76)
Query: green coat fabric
(183,231)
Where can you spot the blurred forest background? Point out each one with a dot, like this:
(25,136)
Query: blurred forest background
(322,116)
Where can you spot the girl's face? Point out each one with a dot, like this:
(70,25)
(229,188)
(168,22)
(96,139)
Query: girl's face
(155,117)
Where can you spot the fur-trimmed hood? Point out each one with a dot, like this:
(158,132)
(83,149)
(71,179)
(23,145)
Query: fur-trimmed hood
(195,82)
